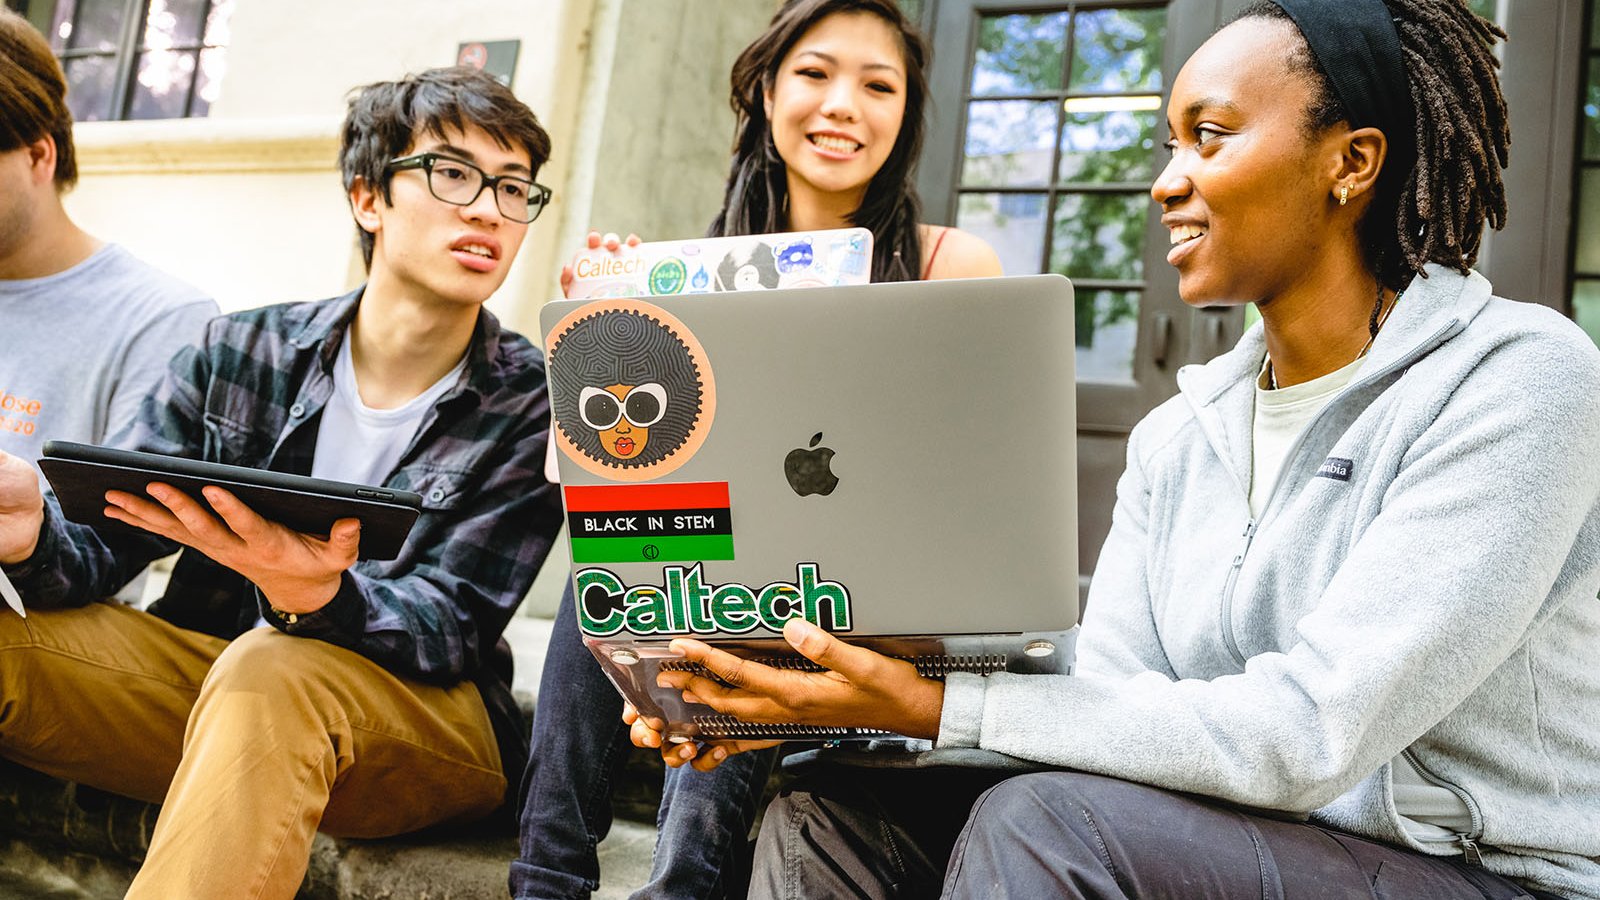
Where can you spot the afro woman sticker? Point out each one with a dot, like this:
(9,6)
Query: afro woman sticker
(632,390)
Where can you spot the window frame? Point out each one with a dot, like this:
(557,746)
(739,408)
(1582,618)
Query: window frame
(128,52)
(1169,333)
(1586,55)
(1540,74)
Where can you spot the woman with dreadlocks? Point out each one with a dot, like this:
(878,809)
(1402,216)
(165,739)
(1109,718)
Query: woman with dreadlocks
(1342,637)
(829,108)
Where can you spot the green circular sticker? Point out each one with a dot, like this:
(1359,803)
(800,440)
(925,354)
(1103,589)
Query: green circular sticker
(668,276)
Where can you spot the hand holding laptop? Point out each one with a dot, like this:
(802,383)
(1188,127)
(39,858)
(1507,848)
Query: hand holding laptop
(858,689)
(595,241)
(899,550)
(647,733)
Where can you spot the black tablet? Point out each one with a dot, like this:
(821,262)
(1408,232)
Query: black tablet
(80,475)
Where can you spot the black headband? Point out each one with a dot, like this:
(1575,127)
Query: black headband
(1355,43)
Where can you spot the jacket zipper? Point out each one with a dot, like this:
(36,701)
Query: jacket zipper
(1469,839)
(1229,639)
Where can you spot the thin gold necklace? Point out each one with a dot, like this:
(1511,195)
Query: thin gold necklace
(1272,378)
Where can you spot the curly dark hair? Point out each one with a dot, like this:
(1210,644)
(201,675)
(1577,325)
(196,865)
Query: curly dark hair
(757,196)
(387,117)
(624,347)
(1431,205)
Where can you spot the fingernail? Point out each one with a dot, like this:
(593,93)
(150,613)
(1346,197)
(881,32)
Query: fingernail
(691,698)
(686,752)
(719,754)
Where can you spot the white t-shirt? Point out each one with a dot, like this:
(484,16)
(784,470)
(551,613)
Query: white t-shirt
(1280,417)
(359,444)
(1427,810)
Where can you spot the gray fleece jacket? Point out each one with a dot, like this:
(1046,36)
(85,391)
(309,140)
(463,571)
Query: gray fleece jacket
(1422,580)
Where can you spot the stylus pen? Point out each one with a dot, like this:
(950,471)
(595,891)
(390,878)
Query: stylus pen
(9,593)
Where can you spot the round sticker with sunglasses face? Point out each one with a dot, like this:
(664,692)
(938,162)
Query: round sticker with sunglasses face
(632,391)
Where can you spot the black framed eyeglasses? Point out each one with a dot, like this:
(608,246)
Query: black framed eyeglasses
(459,182)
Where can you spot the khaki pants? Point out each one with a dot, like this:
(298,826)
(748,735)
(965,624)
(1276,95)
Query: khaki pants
(253,745)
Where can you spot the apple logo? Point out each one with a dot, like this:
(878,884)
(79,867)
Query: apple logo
(809,471)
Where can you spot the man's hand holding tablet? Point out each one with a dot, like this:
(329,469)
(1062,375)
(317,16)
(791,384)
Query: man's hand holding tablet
(297,573)
(292,536)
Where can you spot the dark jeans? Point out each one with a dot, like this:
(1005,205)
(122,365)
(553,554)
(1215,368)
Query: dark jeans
(579,747)
(876,833)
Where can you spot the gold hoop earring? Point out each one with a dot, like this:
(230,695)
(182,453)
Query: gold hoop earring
(1344,194)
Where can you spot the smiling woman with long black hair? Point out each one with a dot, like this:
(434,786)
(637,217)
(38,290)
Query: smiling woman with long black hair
(1342,634)
(829,104)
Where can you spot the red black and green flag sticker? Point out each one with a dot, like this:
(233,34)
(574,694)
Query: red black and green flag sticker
(619,523)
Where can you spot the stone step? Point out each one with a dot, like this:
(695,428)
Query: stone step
(464,868)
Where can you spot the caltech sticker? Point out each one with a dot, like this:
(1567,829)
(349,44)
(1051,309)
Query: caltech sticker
(631,387)
(686,603)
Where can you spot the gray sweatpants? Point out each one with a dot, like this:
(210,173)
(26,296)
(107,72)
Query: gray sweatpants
(849,832)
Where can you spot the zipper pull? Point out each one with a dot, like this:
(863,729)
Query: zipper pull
(1469,849)
(1244,546)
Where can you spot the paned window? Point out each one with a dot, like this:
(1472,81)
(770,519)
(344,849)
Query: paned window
(1586,219)
(1062,120)
(141,59)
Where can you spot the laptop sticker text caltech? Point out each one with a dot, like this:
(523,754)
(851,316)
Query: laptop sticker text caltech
(684,603)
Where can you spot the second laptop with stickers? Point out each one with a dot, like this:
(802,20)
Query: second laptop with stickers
(895,462)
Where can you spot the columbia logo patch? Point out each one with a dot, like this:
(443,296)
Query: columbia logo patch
(1336,468)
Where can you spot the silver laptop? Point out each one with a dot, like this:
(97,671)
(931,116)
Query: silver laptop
(895,462)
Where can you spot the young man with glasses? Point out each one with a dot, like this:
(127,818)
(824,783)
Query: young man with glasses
(281,686)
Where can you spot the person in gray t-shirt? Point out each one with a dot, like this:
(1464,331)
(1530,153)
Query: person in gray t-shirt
(86,329)
(86,344)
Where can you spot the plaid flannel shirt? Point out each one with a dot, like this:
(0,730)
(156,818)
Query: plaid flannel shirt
(251,394)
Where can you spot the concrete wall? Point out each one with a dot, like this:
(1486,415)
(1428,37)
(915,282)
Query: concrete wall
(298,57)
(667,130)
(249,210)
